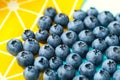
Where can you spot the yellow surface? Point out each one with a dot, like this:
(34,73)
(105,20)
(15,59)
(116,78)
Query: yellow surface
(15,17)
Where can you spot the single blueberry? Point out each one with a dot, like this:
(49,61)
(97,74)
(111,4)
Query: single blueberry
(109,65)
(114,28)
(74,60)
(41,35)
(47,51)
(102,75)
(31,73)
(54,40)
(62,51)
(100,32)
(113,52)
(92,11)
(95,56)
(91,22)
(45,23)
(87,69)
(41,63)
(86,36)
(79,14)
(99,44)
(25,58)
(61,19)
(56,29)
(66,72)
(28,34)
(31,45)
(14,46)
(112,40)
(51,12)
(80,48)
(55,62)
(76,25)
(69,37)
(105,18)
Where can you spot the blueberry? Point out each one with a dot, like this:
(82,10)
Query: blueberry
(112,40)
(69,37)
(41,35)
(51,12)
(62,51)
(31,45)
(105,18)
(55,62)
(118,17)
(80,47)
(114,28)
(56,29)
(86,36)
(95,56)
(102,75)
(14,46)
(25,58)
(76,25)
(66,72)
(99,44)
(91,22)
(45,23)
(28,34)
(113,52)
(74,60)
(50,75)
(116,75)
(79,14)
(61,19)
(80,77)
(54,40)
(87,69)
(100,32)
(47,51)
(31,73)
(41,63)
(92,11)
(109,65)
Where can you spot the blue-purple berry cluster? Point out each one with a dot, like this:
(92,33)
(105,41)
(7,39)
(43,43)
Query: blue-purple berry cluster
(90,37)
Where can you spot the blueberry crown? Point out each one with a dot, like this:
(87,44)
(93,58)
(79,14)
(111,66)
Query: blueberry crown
(49,72)
(54,59)
(81,78)
(67,67)
(87,32)
(69,35)
(116,25)
(29,68)
(102,72)
(63,46)
(88,65)
(14,43)
(116,49)
(75,56)
(81,44)
(92,19)
(110,63)
(49,9)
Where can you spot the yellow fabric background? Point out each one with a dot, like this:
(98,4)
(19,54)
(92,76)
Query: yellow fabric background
(18,15)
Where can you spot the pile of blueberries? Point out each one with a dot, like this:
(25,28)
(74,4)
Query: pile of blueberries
(74,54)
